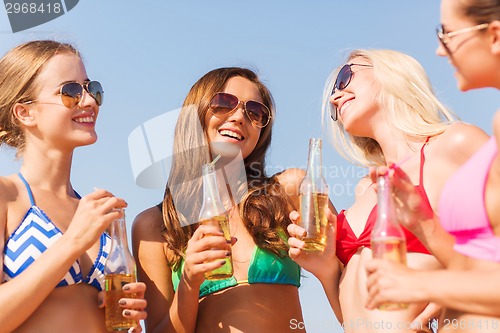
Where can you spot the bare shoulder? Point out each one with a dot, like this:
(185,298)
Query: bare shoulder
(148,224)
(290,179)
(460,141)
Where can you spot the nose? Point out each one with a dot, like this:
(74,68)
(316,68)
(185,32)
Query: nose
(335,97)
(441,51)
(87,101)
(238,114)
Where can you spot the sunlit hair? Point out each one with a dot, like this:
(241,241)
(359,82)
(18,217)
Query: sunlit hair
(265,208)
(407,98)
(480,11)
(19,70)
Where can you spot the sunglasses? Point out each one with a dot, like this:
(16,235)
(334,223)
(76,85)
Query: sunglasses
(224,103)
(445,37)
(341,82)
(72,93)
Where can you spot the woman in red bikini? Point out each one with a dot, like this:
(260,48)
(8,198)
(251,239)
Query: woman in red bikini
(383,110)
(469,213)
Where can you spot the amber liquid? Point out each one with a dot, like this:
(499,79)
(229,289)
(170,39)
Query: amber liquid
(313,219)
(114,319)
(226,270)
(393,249)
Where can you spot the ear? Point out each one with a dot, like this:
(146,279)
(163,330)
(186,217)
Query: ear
(23,113)
(494,29)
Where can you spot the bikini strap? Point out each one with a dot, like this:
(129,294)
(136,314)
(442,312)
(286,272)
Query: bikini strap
(422,161)
(28,188)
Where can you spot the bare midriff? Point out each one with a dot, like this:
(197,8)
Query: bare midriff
(67,309)
(272,308)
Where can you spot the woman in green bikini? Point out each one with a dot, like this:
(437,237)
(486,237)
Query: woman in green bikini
(227,106)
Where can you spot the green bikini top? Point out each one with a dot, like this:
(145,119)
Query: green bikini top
(265,267)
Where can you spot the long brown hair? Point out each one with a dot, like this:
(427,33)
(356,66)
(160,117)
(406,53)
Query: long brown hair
(19,69)
(265,207)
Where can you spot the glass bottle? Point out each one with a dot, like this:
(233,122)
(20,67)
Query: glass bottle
(313,194)
(213,213)
(120,269)
(388,239)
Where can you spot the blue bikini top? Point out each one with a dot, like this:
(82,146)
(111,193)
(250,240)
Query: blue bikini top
(265,267)
(37,233)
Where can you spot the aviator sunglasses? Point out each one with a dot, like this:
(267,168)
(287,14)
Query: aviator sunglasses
(224,103)
(343,79)
(71,93)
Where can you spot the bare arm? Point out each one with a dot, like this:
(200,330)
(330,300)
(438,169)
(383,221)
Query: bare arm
(169,311)
(473,291)
(21,296)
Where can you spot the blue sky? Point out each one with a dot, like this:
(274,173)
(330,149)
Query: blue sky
(148,54)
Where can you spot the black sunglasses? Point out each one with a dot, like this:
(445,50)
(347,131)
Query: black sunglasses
(224,103)
(341,82)
(71,93)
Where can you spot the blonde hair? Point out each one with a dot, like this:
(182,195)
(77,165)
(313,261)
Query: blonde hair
(19,69)
(407,98)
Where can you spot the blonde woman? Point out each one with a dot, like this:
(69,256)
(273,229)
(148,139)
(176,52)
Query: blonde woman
(383,109)
(54,242)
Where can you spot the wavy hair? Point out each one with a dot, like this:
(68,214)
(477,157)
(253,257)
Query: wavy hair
(265,207)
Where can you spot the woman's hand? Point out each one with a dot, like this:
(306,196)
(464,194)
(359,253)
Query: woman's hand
(133,307)
(393,282)
(206,250)
(411,207)
(316,262)
(94,214)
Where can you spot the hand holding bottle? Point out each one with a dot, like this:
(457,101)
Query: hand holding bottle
(207,250)
(94,214)
(321,264)
(409,205)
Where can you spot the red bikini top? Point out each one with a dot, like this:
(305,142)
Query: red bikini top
(348,243)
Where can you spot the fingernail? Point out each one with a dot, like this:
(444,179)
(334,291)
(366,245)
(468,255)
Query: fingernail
(228,254)
(122,302)
(126,287)
(100,303)
(126,313)
(222,263)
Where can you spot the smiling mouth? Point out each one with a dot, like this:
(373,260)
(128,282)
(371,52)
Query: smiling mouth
(231,134)
(85,120)
(345,106)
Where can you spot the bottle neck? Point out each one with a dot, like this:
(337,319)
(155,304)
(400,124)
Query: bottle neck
(387,225)
(384,199)
(119,233)
(314,160)
(210,190)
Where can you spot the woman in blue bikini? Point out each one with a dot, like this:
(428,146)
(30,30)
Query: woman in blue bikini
(229,106)
(53,241)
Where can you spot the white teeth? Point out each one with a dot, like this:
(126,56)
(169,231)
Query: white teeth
(345,106)
(84,120)
(231,134)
